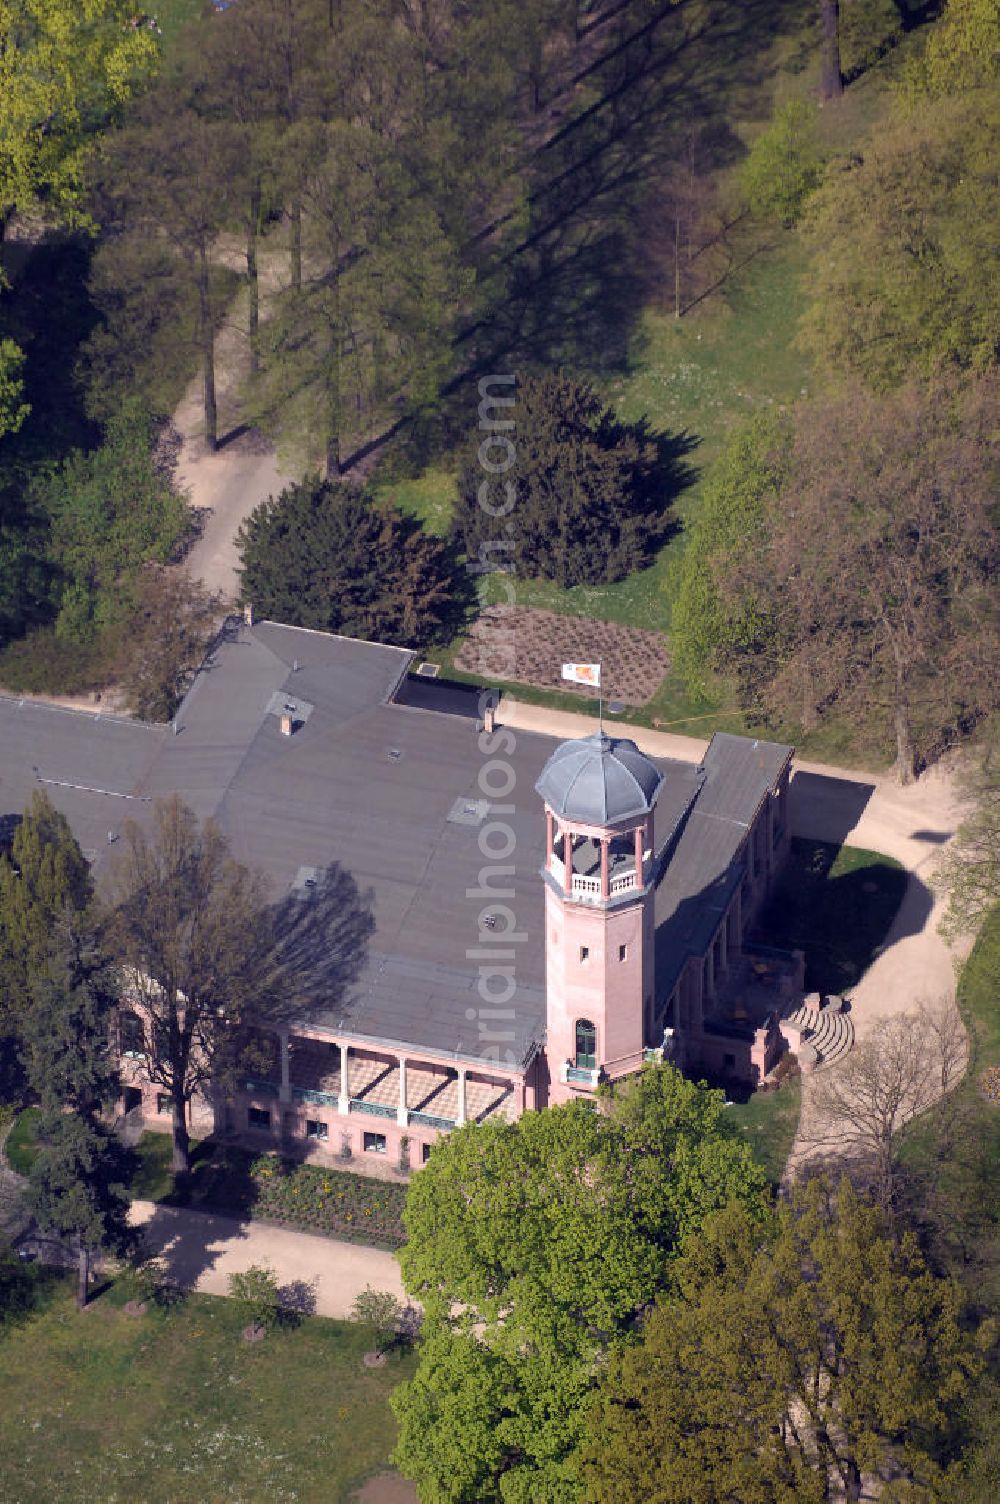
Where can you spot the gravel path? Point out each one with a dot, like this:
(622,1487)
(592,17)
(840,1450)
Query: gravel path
(201,1251)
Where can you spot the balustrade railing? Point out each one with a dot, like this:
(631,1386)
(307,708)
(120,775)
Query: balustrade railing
(320,1098)
(373,1109)
(430,1120)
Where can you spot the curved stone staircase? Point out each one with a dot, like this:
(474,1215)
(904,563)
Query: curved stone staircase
(830,1034)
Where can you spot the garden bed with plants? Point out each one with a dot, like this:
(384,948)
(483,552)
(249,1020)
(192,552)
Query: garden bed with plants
(335,1202)
(236,1182)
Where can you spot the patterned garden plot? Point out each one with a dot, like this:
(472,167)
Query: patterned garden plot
(528,646)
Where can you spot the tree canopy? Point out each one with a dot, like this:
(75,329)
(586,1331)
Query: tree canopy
(44,875)
(786,1364)
(532,1247)
(868,586)
(583,496)
(327,556)
(64,68)
(904,278)
(209,962)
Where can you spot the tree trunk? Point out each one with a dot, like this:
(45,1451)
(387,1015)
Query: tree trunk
(677,266)
(852,1489)
(83,1276)
(253,283)
(296,248)
(333,457)
(831,79)
(180,1162)
(906,758)
(208,353)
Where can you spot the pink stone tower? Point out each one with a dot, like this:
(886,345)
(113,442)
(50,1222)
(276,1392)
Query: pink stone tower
(599,795)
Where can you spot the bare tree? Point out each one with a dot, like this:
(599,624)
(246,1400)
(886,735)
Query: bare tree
(861,1108)
(208,962)
(969,869)
(877,578)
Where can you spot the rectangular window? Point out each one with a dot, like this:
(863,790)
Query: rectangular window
(374,1143)
(133,1035)
(623,952)
(316,1129)
(426,1151)
(584,953)
(258,1117)
(163,1102)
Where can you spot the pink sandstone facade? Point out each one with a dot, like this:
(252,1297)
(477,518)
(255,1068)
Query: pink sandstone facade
(333,1096)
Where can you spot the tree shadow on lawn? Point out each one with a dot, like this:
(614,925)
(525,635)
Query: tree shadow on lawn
(843,920)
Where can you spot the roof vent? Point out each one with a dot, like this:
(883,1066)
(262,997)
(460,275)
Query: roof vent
(394,754)
(468,812)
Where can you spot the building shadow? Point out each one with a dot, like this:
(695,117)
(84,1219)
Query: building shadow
(826,809)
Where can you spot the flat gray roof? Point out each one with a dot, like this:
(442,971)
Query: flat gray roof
(390,792)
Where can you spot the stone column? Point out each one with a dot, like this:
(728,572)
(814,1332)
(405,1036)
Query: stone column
(402,1116)
(605,876)
(640,840)
(549,833)
(567,863)
(460,1119)
(344,1103)
(285,1094)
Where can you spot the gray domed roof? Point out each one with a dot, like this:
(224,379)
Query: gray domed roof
(599,781)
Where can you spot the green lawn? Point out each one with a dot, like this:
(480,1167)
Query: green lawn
(967,1176)
(768,1120)
(21,1146)
(836,903)
(174,1406)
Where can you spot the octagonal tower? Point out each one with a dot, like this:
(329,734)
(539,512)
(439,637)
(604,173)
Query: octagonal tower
(599,795)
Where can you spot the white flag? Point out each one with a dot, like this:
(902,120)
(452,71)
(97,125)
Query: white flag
(583,673)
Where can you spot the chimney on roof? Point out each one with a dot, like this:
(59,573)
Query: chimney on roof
(287,724)
(248,614)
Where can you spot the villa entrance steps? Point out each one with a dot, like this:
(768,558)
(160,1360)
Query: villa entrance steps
(830,1033)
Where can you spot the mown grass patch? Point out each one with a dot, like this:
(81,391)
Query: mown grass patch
(22,1141)
(769,1120)
(175,1406)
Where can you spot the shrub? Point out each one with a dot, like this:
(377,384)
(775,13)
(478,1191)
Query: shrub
(255,1293)
(585,497)
(783,164)
(378,1312)
(324,556)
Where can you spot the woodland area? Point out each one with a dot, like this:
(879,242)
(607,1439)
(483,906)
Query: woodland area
(387,200)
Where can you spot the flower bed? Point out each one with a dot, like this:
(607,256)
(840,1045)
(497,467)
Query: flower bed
(990,1083)
(329,1201)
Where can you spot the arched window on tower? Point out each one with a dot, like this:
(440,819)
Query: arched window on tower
(586,1045)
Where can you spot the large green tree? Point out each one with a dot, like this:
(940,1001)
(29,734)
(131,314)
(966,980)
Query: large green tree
(323,555)
(787,1365)
(167,186)
(109,511)
(367,331)
(532,1247)
(79,1174)
(577,495)
(42,874)
(65,67)
(709,628)
(903,232)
